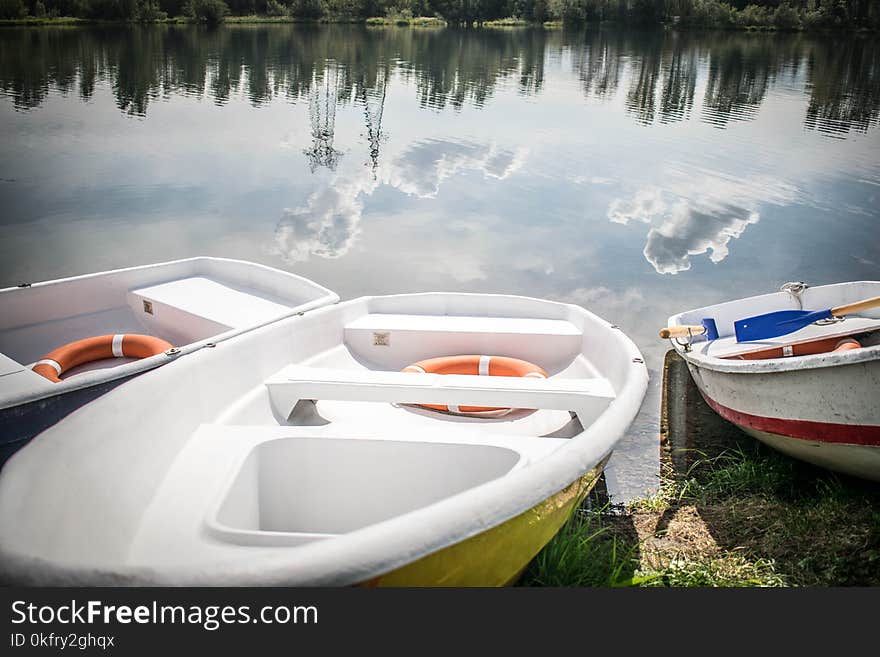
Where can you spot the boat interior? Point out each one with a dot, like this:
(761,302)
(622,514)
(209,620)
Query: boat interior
(187,303)
(864,327)
(298,441)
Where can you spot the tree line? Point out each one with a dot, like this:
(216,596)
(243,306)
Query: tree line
(780,14)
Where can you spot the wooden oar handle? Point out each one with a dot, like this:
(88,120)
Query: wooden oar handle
(856,307)
(681,331)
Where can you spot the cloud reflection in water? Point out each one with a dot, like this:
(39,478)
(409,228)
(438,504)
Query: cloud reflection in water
(704,219)
(327,225)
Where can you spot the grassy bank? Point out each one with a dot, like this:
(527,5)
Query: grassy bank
(730,512)
(745,517)
(760,22)
(416,21)
(58,20)
(406,21)
(508,22)
(262,19)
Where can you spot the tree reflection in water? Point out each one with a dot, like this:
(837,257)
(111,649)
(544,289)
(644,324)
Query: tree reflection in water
(449,68)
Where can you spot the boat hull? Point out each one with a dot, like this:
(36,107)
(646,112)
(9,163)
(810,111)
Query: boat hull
(857,460)
(19,424)
(827,416)
(498,556)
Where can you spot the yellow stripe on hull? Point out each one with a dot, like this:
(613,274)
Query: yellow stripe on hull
(497,556)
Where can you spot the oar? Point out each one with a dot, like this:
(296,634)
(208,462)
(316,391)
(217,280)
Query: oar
(783,322)
(707,328)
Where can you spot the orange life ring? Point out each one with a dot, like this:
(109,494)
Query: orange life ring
(475,365)
(848,345)
(88,350)
(822,346)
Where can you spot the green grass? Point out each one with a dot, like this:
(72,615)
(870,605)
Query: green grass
(403,21)
(32,20)
(746,516)
(726,571)
(507,22)
(261,19)
(63,21)
(417,21)
(585,552)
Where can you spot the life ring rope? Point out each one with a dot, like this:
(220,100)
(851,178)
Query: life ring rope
(89,350)
(481,365)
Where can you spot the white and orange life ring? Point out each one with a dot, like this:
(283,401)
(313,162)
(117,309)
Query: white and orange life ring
(88,350)
(822,346)
(475,365)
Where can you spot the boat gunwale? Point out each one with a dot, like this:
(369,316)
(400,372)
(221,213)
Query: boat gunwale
(784,364)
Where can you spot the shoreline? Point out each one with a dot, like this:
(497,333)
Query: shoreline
(428,22)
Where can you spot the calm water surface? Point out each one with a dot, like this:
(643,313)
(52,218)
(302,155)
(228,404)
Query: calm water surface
(635,173)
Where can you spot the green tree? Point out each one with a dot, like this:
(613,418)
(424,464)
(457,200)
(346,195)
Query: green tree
(12,9)
(308,8)
(211,12)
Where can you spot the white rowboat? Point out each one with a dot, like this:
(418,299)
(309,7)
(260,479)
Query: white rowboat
(188,303)
(819,407)
(292,454)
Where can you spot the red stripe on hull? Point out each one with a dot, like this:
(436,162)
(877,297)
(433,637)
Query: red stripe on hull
(825,432)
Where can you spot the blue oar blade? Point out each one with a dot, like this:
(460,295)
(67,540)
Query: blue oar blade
(771,325)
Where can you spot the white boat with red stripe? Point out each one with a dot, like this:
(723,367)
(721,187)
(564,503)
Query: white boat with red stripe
(813,393)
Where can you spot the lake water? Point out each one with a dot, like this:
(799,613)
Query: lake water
(634,173)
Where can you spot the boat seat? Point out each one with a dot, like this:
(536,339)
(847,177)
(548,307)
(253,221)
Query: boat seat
(394,340)
(588,398)
(203,305)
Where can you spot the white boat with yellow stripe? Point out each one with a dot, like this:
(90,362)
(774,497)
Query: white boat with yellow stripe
(416,439)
